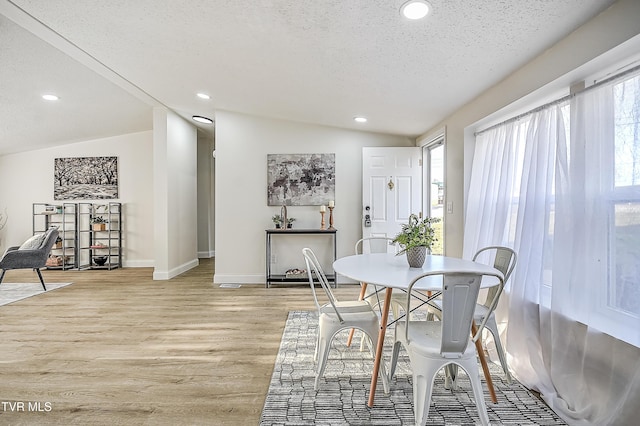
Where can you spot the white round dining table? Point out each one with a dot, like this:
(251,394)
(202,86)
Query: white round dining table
(392,271)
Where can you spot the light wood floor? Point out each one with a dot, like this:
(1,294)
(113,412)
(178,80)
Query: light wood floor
(117,348)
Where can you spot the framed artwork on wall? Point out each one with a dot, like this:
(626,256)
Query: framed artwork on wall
(88,178)
(300,179)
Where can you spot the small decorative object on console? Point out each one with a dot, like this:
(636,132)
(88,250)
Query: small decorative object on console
(331,207)
(296,273)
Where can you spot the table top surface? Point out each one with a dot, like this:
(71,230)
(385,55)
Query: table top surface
(389,270)
(300,231)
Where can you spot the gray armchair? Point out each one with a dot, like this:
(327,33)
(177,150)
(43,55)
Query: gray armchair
(33,254)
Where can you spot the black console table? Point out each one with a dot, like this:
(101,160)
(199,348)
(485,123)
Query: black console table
(281,278)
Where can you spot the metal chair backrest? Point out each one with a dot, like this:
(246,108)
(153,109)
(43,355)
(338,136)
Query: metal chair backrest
(504,261)
(375,245)
(314,268)
(459,298)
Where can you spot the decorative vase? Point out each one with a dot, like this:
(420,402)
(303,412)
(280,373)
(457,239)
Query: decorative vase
(416,256)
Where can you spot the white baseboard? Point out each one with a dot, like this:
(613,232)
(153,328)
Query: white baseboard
(206,254)
(138,263)
(167,275)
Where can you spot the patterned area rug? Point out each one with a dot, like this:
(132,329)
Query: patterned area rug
(343,393)
(12,292)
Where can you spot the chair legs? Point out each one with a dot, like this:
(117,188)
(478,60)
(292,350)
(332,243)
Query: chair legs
(35,269)
(40,276)
(424,373)
(323,346)
(322,354)
(471,368)
(315,353)
(394,359)
(423,388)
(493,328)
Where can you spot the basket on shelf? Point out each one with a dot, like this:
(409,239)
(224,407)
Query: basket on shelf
(296,273)
(100,260)
(56,260)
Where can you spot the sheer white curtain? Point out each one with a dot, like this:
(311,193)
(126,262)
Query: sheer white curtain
(490,201)
(572,213)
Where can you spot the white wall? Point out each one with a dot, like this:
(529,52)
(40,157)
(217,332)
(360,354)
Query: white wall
(175,185)
(242,214)
(206,190)
(28,178)
(609,29)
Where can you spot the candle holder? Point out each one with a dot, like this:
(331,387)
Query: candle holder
(322,224)
(331,217)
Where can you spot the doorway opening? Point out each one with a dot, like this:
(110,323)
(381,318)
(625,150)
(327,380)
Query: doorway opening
(433,187)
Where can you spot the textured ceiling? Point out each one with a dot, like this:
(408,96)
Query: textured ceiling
(89,106)
(320,62)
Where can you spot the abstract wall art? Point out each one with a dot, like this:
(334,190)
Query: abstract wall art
(300,179)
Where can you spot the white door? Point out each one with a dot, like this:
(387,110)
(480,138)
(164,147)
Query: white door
(391,189)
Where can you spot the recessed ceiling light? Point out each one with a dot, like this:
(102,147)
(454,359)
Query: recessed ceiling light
(360,119)
(415,9)
(201,119)
(50,97)
(203,96)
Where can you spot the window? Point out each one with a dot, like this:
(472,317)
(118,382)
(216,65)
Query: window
(433,157)
(624,220)
(561,185)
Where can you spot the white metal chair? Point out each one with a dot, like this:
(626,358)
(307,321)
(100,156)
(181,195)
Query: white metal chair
(504,260)
(433,345)
(335,316)
(371,293)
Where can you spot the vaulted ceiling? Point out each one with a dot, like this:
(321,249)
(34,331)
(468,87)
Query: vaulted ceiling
(310,61)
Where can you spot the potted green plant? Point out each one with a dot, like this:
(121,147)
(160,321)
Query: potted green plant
(290,221)
(416,239)
(98,223)
(277,220)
